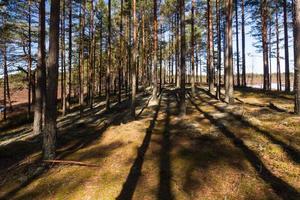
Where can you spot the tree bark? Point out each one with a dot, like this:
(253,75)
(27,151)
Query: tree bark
(297,55)
(286,47)
(5,81)
(228,55)
(92,58)
(49,139)
(70,55)
(40,90)
(277,49)
(210,51)
(193,49)
(120,67)
(182,104)
(134,63)
(264,17)
(109,59)
(155,63)
(63,60)
(81,51)
(29,59)
(244,80)
(218,91)
(237,43)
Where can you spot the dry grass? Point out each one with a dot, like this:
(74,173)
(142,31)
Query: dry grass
(246,151)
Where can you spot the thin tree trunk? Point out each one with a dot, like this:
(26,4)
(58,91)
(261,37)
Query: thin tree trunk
(193,49)
(70,55)
(4,82)
(160,60)
(134,59)
(228,55)
(63,60)
(237,43)
(270,56)
(177,47)
(120,67)
(286,47)
(155,64)
(29,59)
(40,73)
(264,44)
(49,139)
(278,48)
(210,61)
(100,59)
(297,55)
(244,81)
(218,91)
(92,58)
(182,105)
(8,93)
(109,59)
(81,65)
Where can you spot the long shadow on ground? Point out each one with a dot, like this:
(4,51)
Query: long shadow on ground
(293,153)
(281,188)
(135,172)
(78,137)
(165,174)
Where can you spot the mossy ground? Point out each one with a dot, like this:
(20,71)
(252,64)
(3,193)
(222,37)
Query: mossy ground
(249,150)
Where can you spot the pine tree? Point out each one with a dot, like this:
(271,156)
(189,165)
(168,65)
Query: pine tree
(49,139)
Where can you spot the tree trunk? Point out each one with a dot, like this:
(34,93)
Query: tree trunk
(270,55)
(228,55)
(193,49)
(49,140)
(277,48)
(244,81)
(237,43)
(297,55)
(182,105)
(70,55)
(177,47)
(29,59)
(155,63)
(218,91)
(81,64)
(160,59)
(286,47)
(40,73)
(264,16)
(210,51)
(120,67)
(134,63)
(92,58)
(63,60)
(109,59)
(100,59)
(4,82)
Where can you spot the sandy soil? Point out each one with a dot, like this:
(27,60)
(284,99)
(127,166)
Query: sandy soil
(249,150)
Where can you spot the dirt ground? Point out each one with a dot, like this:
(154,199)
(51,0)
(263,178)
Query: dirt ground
(249,150)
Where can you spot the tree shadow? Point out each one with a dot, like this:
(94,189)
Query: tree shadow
(165,175)
(70,140)
(274,94)
(15,133)
(135,171)
(281,188)
(293,153)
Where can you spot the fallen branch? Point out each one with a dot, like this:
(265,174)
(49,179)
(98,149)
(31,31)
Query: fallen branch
(70,162)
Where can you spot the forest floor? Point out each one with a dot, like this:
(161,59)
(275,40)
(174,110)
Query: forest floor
(249,150)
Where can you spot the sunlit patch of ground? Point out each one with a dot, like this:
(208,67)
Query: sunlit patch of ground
(249,150)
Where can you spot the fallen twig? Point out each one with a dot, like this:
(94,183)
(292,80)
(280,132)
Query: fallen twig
(70,162)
